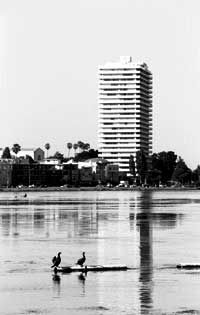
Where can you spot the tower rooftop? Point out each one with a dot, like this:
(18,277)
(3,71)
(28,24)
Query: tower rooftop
(124,62)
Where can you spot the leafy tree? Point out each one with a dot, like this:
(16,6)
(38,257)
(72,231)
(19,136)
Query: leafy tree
(182,173)
(154,177)
(16,148)
(141,165)
(83,146)
(86,146)
(156,162)
(196,175)
(58,156)
(6,153)
(69,146)
(165,162)
(30,159)
(132,165)
(47,147)
(85,155)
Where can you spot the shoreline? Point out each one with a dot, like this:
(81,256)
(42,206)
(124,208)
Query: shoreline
(57,189)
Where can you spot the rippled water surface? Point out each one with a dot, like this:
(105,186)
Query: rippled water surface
(150,232)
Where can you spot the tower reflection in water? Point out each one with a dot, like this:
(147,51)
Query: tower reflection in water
(99,224)
(144,216)
(146,261)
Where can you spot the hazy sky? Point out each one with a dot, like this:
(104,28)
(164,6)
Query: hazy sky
(49,54)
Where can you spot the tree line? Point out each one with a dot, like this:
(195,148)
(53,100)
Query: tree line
(84,151)
(6,152)
(80,145)
(163,168)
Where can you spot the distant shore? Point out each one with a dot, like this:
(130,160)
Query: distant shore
(54,189)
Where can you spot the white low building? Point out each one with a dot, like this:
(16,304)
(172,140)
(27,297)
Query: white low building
(93,162)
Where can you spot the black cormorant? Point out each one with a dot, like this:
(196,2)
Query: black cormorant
(56,260)
(81,261)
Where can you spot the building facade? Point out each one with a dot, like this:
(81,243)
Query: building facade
(125,111)
(35,174)
(6,172)
(112,173)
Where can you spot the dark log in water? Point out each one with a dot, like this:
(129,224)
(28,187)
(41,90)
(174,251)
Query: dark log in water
(189,266)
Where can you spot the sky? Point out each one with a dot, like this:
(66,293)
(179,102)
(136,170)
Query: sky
(49,54)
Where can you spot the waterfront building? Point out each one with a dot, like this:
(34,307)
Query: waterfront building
(50,161)
(37,154)
(86,176)
(92,171)
(6,172)
(125,111)
(112,173)
(35,174)
(71,173)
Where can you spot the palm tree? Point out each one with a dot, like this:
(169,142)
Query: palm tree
(69,146)
(47,147)
(86,146)
(16,148)
(75,147)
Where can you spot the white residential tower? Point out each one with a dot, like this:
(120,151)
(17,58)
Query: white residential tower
(125,111)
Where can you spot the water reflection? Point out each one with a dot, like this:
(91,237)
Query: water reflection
(78,217)
(15,227)
(5,223)
(56,282)
(144,222)
(121,229)
(143,218)
(160,220)
(83,220)
(82,278)
(79,222)
(38,221)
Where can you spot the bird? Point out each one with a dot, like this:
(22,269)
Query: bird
(81,260)
(56,260)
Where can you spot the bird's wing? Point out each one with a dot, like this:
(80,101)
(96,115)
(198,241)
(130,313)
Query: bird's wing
(54,259)
(78,261)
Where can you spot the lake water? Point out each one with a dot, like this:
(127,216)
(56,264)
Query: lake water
(150,232)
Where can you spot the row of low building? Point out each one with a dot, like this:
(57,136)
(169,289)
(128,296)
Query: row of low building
(50,172)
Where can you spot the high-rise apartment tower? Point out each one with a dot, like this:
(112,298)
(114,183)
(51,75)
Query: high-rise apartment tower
(125,111)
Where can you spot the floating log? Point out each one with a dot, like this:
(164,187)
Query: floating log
(188,266)
(77,268)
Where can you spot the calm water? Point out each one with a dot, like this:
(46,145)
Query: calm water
(148,231)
